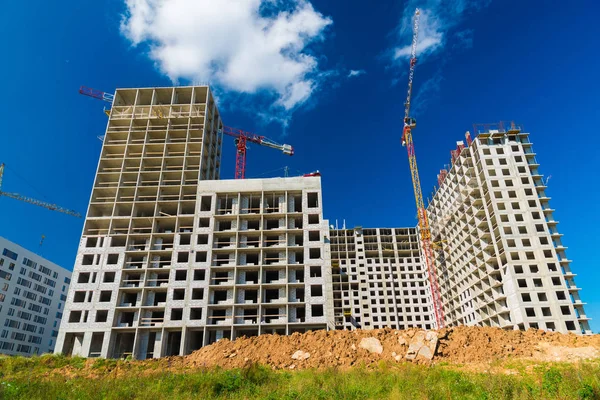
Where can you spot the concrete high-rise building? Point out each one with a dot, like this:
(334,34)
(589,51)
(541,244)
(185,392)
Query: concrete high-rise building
(159,143)
(502,262)
(172,259)
(379,280)
(32,294)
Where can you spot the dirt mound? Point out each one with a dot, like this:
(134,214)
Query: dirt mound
(345,349)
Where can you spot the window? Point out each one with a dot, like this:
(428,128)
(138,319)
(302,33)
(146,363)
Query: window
(183,257)
(101,315)
(10,254)
(203,222)
(195,313)
(518,269)
(88,259)
(317,310)
(197,294)
(180,275)
(314,254)
(313,218)
(206,203)
(79,297)
(75,316)
(534,269)
(199,274)
(314,236)
(105,296)
(176,314)
(178,294)
(556,281)
(83,277)
(109,277)
(316,290)
(202,239)
(112,259)
(313,200)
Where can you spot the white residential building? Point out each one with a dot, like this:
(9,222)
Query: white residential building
(32,295)
(502,262)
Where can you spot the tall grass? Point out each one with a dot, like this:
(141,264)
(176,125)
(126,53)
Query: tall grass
(37,378)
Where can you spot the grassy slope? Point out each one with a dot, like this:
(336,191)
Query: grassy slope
(57,377)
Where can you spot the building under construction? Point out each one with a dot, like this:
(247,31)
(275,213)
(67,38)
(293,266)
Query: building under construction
(171,258)
(500,260)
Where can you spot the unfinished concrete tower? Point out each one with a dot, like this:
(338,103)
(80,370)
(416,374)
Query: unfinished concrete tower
(501,261)
(379,280)
(159,143)
(261,261)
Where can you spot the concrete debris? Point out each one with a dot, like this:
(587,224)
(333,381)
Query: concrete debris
(300,355)
(422,345)
(371,344)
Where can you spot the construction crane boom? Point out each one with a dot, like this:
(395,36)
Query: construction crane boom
(97,94)
(407,140)
(29,200)
(241,140)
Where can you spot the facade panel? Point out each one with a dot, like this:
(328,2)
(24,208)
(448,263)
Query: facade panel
(32,295)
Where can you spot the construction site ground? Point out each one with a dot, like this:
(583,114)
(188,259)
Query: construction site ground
(462,362)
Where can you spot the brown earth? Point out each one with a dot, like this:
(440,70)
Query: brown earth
(341,348)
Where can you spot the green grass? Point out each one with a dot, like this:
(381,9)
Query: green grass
(37,378)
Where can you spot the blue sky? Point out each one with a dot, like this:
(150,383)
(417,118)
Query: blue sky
(485,61)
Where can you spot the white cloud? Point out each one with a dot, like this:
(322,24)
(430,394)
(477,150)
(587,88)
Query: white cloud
(244,46)
(356,72)
(437,23)
(437,19)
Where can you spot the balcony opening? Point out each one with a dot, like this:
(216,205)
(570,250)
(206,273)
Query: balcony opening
(220,296)
(250,296)
(271,295)
(271,276)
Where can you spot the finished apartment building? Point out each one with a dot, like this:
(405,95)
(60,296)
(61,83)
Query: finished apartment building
(32,294)
(500,260)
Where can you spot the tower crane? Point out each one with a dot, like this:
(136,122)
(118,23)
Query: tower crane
(241,140)
(29,200)
(407,140)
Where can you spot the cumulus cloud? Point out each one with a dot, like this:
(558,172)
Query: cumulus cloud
(244,46)
(356,72)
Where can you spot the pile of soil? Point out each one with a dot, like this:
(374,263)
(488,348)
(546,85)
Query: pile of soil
(321,349)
